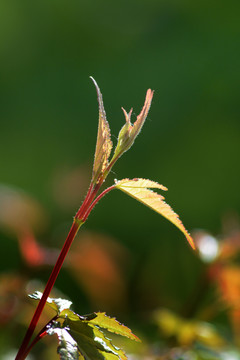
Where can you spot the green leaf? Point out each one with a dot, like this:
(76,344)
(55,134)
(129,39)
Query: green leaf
(104,143)
(108,344)
(89,326)
(138,189)
(68,348)
(75,317)
(67,313)
(90,346)
(84,332)
(112,325)
(57,304)
(78,340)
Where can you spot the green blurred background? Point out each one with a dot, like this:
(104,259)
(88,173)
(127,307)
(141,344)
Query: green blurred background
(189,53)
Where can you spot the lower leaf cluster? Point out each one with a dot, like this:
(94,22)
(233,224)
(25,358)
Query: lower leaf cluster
(81,337)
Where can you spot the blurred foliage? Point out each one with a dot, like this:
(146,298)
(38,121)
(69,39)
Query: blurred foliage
(189,53)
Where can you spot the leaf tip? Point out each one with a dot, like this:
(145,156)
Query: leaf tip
(191,241)
(148,100)
(93,80)
(127,115)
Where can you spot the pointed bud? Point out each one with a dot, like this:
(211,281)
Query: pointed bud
(129,132)
(124,137)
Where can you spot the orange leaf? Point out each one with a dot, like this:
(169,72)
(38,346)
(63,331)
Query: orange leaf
(104,143)
(138,189)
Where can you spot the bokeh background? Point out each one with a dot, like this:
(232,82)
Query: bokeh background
(128,260)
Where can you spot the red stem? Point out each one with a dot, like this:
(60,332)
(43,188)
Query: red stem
(89,198)
(39,336)
(79,219)
(72,233)
(89,193)
(85,216)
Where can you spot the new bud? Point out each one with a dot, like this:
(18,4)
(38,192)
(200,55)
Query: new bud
(129,132)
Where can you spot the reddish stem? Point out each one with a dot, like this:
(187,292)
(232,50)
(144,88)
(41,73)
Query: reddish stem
(81,216)
(85,216)
(39,336)
(72,233)
(89,193)
(89,198)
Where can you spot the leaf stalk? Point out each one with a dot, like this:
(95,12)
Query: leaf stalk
(21,355)
(79,219)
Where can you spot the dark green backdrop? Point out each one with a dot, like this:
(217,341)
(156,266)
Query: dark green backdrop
(189,53)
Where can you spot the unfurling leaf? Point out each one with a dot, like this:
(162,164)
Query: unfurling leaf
(104,143)
(129,132)
(138,189)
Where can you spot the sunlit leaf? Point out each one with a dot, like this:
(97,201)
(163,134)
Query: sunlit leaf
(90,345)
(84,333)
(140,183)
(108,344)
(137,126)
(104,143)
(68,347)
(57,304)
(68,313)
(138,189)
(112,325)
(100,320)
(91,340)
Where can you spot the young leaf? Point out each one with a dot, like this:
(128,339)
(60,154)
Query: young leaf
(62,308)
(129,132)
(82,336)
(104,143)
(91,343)
(112,325)
(100,320)
(58,304)
(138,189)
(68,348)
(137,126)
(89,336)
(99,335)
(140,183)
